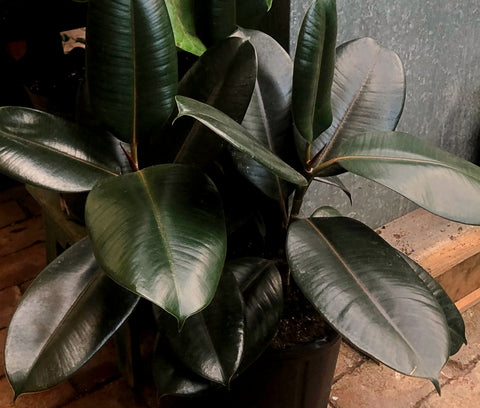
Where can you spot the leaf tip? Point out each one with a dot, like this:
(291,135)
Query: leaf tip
(181,322)
(302,181)
(436,384)
(179,100)
(17,391)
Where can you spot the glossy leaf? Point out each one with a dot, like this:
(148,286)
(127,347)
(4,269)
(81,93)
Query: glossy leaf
(313,70)
(224,77)
(65,316)
(369,294)
(47,151)
(261,286)
(268,115)
(434,179)
(453,316)
(160,232)
(131,65)
(238,137)
(183,25)
(368,92)
(211,342)
(215,19)
(172,377)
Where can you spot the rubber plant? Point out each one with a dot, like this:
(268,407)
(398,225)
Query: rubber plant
(195,194)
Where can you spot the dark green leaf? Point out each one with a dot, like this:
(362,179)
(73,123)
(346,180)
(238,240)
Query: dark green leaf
(236,135)
(313,70)
(182,19)
(172,377)
(369,294)
(268,116)
(432,178)
(160,232)
(453,316)
(51,152)
(368,92)
(224,77)
(261,286)
(211,342)
(131,65)
(215,19)
(65,316)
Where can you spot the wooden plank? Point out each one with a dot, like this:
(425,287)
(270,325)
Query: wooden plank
(60,231)
(468,301)
(449,251)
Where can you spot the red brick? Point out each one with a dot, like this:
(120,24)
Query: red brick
(10,213)
(462,392)
(348,360)
(114,395)
(471,351)
(100,369)
(3,336)
(22,266)
(149,394)
(9,299)
(14,193)
(375,385)
(29,205)
(53,398)
(20,236)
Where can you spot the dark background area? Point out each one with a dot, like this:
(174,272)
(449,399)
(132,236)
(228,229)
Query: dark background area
(33,67)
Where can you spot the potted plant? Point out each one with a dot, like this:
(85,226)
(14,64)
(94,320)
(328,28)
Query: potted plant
(194,205)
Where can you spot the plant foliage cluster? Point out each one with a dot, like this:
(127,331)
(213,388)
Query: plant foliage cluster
(195,189)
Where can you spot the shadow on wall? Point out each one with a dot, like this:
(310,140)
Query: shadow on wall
(462,121)
(438,44)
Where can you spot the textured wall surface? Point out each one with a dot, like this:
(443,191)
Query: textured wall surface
(439,44)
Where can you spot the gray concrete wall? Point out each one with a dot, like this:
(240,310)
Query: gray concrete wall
(439,44)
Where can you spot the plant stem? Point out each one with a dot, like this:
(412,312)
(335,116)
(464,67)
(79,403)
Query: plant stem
(134,152)
(298,200)
(131,161)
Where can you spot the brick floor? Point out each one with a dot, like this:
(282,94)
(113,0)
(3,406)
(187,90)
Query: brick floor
(362,383)
(359,382)
(98,383)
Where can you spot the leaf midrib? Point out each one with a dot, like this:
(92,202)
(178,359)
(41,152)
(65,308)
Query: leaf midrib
(350,108)
(407,160)
(60,324)
(21,140)
(213,347)
(365,290)
(316,80)
(163,236)
(134,78)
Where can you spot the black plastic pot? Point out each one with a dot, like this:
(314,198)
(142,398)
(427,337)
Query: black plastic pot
(300,377)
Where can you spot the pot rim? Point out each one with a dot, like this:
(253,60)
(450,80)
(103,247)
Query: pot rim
(324,344)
